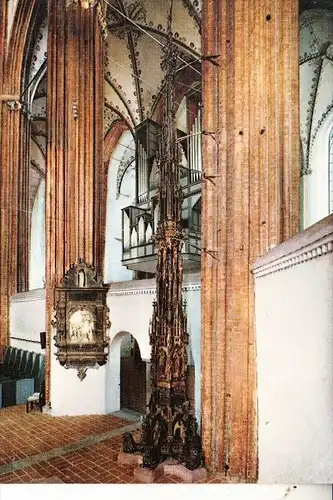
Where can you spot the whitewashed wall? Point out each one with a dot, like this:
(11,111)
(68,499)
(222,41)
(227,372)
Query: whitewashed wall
(316,182)
(294,330)
(27,320)
(72,396)
(69,396)
(113,269)
(130,306)
(37,242)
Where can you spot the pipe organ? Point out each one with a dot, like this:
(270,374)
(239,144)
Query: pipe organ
(140,221)
(194,150)
(147,136)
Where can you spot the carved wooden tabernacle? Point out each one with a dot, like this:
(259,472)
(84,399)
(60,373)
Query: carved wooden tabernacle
(169,429)
(82,319)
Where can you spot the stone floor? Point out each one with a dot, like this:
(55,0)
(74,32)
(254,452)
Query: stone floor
(38,448)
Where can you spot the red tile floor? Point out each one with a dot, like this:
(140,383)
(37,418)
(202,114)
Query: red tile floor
(44,437)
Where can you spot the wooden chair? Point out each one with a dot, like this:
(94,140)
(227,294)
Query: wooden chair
(36,399)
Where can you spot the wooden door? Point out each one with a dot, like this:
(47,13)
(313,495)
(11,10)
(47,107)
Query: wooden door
(133,384)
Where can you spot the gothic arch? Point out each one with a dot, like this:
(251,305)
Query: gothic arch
(111,140)
(24,16)
(11,158)
(113,398)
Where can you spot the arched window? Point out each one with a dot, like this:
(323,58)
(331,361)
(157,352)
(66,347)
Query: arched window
(37,242)
(330,172)
(120,194)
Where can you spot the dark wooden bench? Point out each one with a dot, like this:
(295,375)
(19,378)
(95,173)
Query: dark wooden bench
(21,374)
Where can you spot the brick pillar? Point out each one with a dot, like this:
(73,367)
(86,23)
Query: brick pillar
(250,200)
(13,178)
(75,145)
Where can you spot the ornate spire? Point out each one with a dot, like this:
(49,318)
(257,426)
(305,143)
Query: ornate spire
(169,429)
(169,154)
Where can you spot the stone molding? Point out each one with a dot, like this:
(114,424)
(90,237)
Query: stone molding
(31,295)
(150,291)
(310,244)
(133,287)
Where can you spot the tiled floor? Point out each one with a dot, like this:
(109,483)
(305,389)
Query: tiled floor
(25,434)
(39,448)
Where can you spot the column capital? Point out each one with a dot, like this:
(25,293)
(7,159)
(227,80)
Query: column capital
(14,105)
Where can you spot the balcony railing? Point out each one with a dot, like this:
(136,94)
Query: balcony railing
(139,251)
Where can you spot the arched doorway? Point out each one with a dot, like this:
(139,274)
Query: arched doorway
(133,381)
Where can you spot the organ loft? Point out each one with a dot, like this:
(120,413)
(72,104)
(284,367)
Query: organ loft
(166,231)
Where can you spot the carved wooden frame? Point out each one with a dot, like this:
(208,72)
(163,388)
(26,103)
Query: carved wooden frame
(81,293)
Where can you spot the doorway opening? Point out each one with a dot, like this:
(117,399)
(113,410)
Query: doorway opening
(133,376)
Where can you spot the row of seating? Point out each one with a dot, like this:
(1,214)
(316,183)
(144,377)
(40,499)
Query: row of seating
(21,374)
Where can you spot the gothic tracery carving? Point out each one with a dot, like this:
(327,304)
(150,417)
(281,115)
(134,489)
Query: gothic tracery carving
(169,428)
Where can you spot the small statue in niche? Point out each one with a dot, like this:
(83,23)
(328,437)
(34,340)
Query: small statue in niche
(192,427)
(179,431)
(81,279)
(156,433)
(177,364)
(146,429)
(162,362)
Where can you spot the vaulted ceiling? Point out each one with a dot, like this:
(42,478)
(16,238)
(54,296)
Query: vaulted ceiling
(136,35)
(316,76)
(133,49)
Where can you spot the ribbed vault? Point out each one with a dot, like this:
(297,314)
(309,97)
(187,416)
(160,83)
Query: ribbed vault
(316,76)
(136,32)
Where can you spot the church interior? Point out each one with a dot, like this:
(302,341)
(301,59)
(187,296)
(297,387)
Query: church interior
(166,221)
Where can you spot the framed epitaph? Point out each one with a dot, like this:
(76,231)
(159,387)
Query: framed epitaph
(82,319)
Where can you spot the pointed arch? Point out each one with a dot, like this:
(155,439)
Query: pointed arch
(10,156)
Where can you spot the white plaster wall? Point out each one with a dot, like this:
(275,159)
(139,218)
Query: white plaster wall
(193,298)
(27,320)
(316,183)
(37,243)
(130,306)
(113,269)
(129,313)
(71,396)
(181,116)
(294,318)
